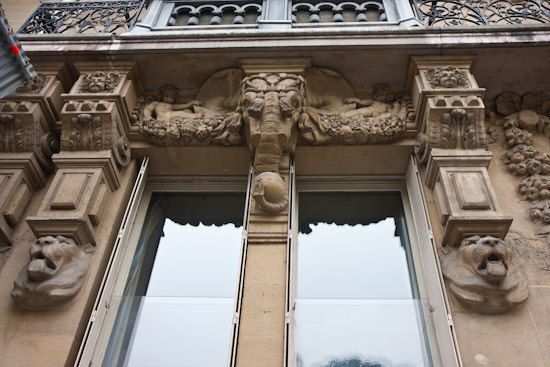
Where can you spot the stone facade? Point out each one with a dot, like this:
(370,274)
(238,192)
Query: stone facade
(304,105)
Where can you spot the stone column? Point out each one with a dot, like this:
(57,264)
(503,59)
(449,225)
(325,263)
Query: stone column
(452,145)
(95,121)
(28,138)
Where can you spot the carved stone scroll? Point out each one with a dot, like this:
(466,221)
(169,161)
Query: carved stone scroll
(452,128)
(94,126)
(482,275)
(55,274)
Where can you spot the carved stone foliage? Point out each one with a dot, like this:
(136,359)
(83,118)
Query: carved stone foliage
(99,82)
(381,119)
(327,113)
(447,77)
(523,118)
(210,118)
(23,129)
(56,272)
(456,128)
(94,126)
(540,213)
(167,123)
(482,275)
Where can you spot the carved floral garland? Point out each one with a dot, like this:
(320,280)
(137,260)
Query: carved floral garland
(524,160)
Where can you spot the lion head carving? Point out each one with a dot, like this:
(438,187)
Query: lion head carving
(54,275)
(482,275)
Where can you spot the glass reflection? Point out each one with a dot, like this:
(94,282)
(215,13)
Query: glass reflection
(178,304)
(355,298)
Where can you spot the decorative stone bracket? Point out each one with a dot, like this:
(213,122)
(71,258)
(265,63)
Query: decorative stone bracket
(95,121)
(452,143)
(27,141)
(465,199)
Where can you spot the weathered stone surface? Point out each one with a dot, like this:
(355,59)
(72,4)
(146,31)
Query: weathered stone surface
(55,274)
(522,158)
(27,142)
(447,77)
(482,275)
(210,118)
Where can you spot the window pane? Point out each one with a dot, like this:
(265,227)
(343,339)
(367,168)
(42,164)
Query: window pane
(355,300)
(178,305)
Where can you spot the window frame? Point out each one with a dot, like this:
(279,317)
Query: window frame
(103,316)
(443,347)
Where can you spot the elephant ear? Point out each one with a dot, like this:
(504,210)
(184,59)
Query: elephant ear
(221,90)
(327,89)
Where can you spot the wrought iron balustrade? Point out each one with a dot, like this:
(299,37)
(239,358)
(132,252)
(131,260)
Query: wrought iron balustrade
(309,11)
(84,17)
(482,12)
(215,12)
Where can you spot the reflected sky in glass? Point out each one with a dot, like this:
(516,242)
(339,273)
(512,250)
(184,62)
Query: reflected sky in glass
(354,298)
(341,261)
(186,317)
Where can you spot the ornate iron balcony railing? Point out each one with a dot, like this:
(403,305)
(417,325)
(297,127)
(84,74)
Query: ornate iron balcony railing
(84,17)
(482,12)
(314,11)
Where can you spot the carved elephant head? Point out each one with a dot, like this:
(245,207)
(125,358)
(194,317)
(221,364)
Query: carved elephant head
(272,104)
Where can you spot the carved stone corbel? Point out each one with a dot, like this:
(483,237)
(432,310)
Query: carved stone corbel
(94,146)
(452,143)
(116,82)
(28,139)
(272,105)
